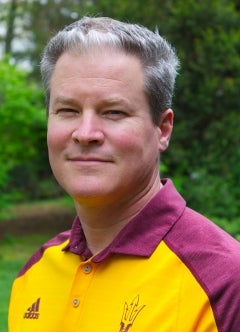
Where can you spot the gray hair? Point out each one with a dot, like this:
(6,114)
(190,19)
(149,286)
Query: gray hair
(158,58)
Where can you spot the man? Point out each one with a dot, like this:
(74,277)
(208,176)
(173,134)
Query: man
(136,258)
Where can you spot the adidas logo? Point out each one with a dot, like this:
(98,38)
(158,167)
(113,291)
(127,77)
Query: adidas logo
(33,311)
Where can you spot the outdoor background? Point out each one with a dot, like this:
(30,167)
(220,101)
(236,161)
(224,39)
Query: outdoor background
(204,154)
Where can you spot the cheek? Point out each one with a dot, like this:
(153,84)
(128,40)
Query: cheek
(55,142)
(132,144)
(56,138)
(127,142)
(52,140)
(147,148)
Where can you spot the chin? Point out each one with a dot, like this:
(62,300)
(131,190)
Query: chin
(86,193)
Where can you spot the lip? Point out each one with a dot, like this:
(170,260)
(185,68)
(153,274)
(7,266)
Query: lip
(88,160)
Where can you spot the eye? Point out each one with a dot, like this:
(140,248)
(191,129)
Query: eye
(115,114)
(67,112)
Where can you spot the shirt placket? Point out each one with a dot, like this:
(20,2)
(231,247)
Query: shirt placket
(78,295)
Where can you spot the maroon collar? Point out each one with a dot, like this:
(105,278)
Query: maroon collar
(143,233)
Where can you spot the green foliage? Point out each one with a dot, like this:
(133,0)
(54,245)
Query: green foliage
(21,112)
(22,128)
(230,226)
(204,151)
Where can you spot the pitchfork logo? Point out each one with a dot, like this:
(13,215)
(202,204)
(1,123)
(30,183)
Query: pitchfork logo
(130,313)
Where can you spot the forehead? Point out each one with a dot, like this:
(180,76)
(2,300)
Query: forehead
(105,68)
(98,58)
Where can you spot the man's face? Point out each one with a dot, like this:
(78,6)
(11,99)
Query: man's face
(103,145)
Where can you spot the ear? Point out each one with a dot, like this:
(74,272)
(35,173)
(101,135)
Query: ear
(165,129)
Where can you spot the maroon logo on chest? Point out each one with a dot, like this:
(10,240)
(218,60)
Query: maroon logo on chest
(130,313)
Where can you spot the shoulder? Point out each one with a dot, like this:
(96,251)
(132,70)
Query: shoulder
(58,240)
(199,242)
(213,257)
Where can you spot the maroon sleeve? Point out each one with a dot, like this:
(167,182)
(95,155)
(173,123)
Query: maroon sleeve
(213,257)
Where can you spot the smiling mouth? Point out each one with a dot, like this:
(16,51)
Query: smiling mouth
(88,160)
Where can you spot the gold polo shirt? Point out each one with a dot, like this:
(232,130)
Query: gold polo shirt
(169,270)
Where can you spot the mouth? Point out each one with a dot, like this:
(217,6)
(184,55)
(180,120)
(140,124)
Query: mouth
(88,160)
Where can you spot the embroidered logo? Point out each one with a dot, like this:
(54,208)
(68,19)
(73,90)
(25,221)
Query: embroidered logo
(33,311)
(130,313)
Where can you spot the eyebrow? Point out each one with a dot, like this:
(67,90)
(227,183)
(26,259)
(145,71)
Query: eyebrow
(114,101)
(64,100)
(105,101)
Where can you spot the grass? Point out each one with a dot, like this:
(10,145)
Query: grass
(14,252)
(12,210)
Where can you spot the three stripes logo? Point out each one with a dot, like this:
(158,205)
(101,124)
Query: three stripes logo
(33,310)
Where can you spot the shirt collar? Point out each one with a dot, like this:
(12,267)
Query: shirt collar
(143,233)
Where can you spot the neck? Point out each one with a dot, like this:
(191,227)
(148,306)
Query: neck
(101,223)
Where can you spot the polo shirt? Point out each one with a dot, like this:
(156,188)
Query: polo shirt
(170,269)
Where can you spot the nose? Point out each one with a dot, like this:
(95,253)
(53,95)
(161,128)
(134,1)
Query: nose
(89,130)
